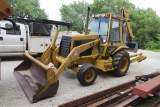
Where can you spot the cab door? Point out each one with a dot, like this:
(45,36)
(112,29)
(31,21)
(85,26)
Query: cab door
(13,40)
(114,39)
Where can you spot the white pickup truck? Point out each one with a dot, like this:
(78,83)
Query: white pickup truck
(34,38)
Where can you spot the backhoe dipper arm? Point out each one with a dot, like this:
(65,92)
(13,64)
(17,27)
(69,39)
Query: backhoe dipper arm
(125,14)
(134,57)
(5,9)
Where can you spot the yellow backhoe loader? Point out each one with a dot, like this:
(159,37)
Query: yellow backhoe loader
(103,47)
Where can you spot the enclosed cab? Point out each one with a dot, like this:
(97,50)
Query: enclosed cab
(112,31)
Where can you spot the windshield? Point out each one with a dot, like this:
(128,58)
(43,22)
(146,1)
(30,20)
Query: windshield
(99,26)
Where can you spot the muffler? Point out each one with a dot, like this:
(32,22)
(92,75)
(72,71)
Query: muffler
(132,46)
(36,79)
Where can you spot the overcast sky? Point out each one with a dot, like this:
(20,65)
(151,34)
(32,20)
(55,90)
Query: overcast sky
(52,7)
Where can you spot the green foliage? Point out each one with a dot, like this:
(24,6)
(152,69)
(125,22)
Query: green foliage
(110,6)
(145,26)
(63,28)
(30,8)
(75,13)
(152,45)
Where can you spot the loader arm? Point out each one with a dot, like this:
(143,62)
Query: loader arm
(46,56)
(125,14)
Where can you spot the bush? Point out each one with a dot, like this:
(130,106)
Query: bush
(151,45)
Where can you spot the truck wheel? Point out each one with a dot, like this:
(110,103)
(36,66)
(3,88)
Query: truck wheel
(121,62)
(87,74)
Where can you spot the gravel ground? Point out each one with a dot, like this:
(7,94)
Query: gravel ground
(11,94)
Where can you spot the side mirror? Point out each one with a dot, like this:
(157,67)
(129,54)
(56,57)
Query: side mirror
(13,23)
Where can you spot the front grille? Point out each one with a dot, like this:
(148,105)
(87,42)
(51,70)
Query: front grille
(65,46)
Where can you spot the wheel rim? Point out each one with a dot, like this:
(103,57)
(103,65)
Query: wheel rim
(124,64)
(89,76)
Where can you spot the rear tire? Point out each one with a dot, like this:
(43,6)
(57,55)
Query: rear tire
(121,62)
(87,74)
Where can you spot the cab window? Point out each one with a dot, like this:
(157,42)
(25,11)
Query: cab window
(124,32)
(14,31)
(114,37)
(99,26)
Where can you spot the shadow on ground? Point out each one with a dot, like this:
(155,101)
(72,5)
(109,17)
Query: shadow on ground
(17,57)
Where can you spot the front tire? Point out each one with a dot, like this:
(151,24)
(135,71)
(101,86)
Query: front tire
(121,62)
(87,74)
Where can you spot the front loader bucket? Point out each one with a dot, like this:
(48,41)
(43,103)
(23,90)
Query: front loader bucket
(36,79)
(133,46)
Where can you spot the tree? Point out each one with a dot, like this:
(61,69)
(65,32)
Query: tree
(29,8)
(110,6)
(75,13)
(145,26)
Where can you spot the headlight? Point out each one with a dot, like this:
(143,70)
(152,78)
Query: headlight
(76,52)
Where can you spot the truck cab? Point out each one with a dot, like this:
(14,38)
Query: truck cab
(12,40)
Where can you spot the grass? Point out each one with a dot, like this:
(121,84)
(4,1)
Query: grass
(154,50)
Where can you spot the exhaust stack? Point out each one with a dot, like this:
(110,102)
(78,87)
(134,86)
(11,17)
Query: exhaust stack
(87,20)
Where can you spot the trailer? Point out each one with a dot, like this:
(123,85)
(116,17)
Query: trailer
(144,91)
